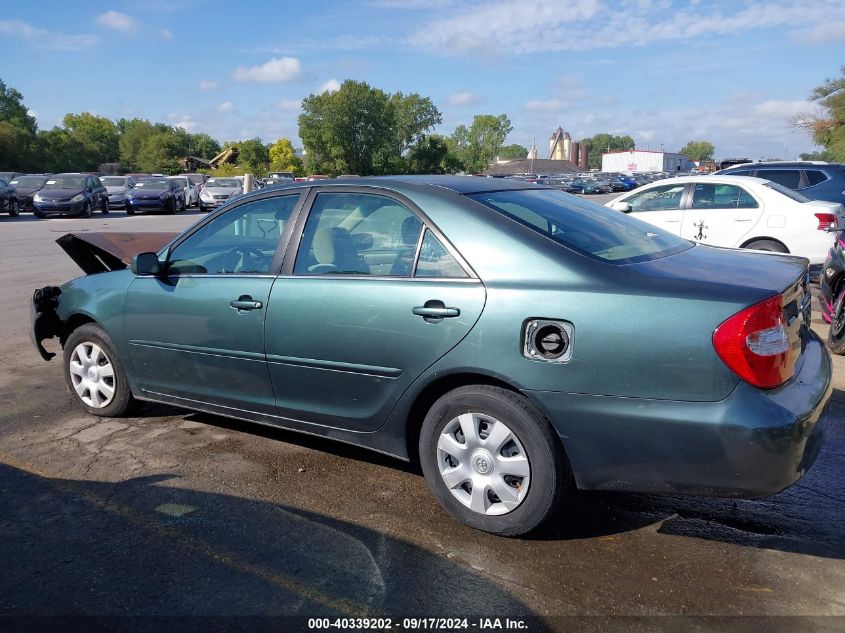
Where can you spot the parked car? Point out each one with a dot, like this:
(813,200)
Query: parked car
(8,176)
(155,194)
(518,341)
(189,189)
(9,198)
(118,187)
(737,212)
(71,194)
(217,191)
(815,180)
(596,185)
(832,294)
(197,179)
(26,187)
(277,177)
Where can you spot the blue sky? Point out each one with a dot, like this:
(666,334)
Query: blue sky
(663,71)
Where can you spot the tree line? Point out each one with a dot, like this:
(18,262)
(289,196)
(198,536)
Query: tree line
(357,129)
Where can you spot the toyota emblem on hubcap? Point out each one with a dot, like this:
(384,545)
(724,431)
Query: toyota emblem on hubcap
(482,462)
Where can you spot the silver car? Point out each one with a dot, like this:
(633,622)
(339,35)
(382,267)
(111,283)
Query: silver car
(118,187)
(218,190)
(192,194)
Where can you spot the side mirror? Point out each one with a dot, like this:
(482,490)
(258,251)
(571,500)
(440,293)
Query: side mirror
(146,264)
(624,207)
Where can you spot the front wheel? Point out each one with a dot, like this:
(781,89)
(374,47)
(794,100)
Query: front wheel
(491,460)
(14,209)
(95,374)
(836,335)
(105,207)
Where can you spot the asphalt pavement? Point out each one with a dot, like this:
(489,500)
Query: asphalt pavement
(173,513)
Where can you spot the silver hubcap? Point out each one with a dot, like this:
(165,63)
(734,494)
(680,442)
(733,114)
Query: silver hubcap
(483,464)
(92,375)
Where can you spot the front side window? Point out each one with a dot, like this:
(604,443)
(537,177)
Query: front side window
(358,234)
(242,241)
(790,178)
(663,198)
(715,196)
(583,226)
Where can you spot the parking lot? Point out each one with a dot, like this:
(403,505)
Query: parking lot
(180,513)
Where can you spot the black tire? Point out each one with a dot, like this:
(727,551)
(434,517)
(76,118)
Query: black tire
(767,245)
(203,208)
(88,211)
(550,475)
(39,215)
(14,208)
(105,208)
(122,401)
(836,334)
(130,210)
(170,207)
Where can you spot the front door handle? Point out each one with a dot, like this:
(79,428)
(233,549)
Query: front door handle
(435,311)
(245,302)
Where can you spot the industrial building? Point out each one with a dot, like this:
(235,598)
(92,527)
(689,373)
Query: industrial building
(562,147)
(644,160)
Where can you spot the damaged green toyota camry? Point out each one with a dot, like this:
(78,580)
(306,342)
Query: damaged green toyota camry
(519,342)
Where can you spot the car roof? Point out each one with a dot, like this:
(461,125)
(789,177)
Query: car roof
(734,180)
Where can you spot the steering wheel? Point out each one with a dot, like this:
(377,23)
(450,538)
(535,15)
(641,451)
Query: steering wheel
(242,259)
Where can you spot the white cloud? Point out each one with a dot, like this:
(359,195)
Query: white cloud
(43,38)
(463,98)
(117,21)
(187,123)
(645,135)
(226,106)
(207,85)
(289,105)
(166,34)
(548,105)
(32,113)
(823,33)
(275,70)
(331,85)
(784,110)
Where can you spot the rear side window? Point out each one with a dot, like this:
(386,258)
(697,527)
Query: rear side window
(814,177)
(583,226)
(707,196)
(787,177)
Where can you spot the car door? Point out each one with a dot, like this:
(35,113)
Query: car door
(660,206)
(196,333)
(373,297)
(720,214)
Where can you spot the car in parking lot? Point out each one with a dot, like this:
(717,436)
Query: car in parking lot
(816,180)
(189,189)
(71,194)
(155,194)
(217,192)
(118,188)
(518,341)
(9,198)
(26,187)
(737,212)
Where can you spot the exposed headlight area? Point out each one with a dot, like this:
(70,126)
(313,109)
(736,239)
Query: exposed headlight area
(37,198)
(78,197)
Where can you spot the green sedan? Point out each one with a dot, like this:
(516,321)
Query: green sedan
(517,341)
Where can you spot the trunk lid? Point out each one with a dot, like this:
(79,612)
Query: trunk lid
(104,252)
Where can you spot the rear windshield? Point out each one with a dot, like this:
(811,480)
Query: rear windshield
(789,193)
(583,226)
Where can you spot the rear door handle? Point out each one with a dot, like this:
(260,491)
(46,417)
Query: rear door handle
(245,302)
(435,311)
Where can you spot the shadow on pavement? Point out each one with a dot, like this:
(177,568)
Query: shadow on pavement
(147,547)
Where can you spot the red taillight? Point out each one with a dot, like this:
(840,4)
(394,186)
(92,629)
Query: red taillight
(827,221)
(754,344)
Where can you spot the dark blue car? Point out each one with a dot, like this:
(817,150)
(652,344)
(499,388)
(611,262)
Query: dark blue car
(815,179)
(155,194)
(71,194)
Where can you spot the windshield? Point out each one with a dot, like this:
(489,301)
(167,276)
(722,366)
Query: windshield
(584,227)
(222,182)
(196,178)
(153,183)
(66,182)
(789,193)
(29,181)
(113,181)
(182,181)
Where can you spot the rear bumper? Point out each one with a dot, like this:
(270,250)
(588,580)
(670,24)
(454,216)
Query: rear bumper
(753,443)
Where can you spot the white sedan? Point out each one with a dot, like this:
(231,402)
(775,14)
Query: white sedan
(192,194)
(737,212)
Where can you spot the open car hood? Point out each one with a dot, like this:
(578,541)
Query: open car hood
(103,252)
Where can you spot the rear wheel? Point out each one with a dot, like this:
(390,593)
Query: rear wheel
(836,335)
(95,374)
(491,460)
(14,209)
(767,245)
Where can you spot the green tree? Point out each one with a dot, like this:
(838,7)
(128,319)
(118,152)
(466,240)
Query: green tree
(513,152)
(17,130)
(829,130)
(253,155)
(431,155)
(161,152)
(133,135)
(414,116)
(603,142)
(283,157)
(698,150)
(477,145)
(203,146)
(823,155)
(57,150)
(97,139)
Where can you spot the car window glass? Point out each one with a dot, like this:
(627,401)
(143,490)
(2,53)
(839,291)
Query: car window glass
(739,172)
(358,234)
(435,260)
(787,177)
(242,241)
(716,196)
(663,198)
(814,176)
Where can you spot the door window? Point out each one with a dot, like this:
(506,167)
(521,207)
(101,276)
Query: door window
(663,198)
(715,196)
(436,261)
(787,177)
(358,234)
(242,241)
